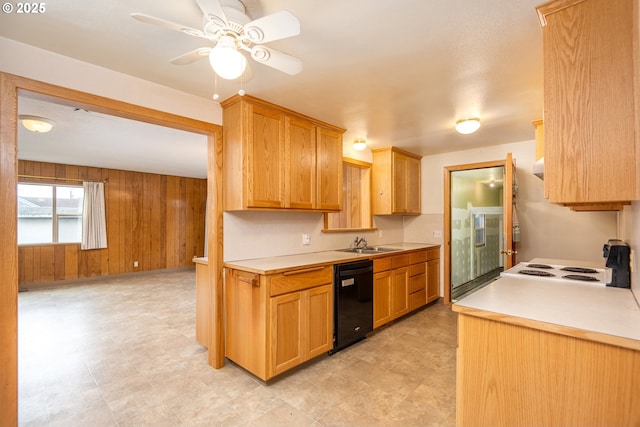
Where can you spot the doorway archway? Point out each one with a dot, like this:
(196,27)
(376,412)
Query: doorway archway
(507,215)
(10,87)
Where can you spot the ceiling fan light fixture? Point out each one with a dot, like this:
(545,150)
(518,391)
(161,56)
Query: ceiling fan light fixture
(468,125)
(359,144)
(226,60)
(36,124)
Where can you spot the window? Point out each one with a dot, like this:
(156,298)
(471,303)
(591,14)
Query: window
(49,213)
(356,203)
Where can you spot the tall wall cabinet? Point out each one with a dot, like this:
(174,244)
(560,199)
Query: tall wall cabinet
(275,158)
(395,182)
(591,102)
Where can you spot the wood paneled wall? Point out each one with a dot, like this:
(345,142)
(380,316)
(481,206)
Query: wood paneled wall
(157,220)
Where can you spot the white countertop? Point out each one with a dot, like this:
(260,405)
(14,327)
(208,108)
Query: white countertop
(600,313)
(272,264)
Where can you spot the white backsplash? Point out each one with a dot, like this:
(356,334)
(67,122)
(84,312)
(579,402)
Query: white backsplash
(257,234)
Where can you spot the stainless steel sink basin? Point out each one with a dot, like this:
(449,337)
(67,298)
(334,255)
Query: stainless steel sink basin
(371,250)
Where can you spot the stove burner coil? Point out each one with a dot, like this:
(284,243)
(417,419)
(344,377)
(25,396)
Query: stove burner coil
(582,270)
(545,266)
(538,273)
(580,277)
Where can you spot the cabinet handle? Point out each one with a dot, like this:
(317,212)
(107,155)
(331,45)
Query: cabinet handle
(304,270)
(251,280)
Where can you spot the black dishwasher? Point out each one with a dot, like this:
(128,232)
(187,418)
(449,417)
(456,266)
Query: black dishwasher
(353,298)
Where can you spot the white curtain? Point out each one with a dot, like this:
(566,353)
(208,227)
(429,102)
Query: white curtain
(94,224)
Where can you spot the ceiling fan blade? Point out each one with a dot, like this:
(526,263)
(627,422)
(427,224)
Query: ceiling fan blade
(189,57)
(272,27)
(213,11)
(276,59)
(167,24)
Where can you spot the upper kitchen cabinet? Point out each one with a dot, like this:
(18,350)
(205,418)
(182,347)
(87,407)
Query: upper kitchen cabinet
(591,102)
(275,158)
(329,169)
(395,182)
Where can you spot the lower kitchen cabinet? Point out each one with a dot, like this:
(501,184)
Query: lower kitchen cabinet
(399,299)
(513,372)
(277,321)
(433,274)
(403,283)
(301,327)
(381,296)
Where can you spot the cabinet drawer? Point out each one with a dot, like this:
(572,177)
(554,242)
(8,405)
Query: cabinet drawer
(417,299)
(399,261)
(417,283)
(416,257)
(433,253)
(415,269)
(381,264)
(303,278)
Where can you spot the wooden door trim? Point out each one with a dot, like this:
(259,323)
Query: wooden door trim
(10,87)
(446,238)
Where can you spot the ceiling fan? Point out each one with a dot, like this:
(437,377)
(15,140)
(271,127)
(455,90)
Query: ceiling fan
(231,31)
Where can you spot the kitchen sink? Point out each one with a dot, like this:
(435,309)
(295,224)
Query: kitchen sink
(369,250)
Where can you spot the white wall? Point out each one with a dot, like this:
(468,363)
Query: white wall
(38,64)
(630,233)
(547,230)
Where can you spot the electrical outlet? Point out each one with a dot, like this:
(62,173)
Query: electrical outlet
(437,234)
(306,239)
(135,264)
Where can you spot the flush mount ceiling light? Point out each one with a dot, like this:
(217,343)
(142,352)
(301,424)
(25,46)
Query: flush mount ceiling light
(359,144)
(36,123)
(467,125)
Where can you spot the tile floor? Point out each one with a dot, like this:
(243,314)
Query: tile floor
(122,352)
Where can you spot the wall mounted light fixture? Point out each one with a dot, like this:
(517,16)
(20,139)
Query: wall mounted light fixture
(467,125)
(359,144)
(36,123)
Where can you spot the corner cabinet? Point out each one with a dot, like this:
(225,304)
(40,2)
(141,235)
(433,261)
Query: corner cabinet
(591,102)
(395,182)
(275,322)
(275,158)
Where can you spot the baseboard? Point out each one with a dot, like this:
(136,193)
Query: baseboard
(84,280)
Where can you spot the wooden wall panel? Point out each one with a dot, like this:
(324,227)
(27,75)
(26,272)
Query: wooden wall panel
(157,220)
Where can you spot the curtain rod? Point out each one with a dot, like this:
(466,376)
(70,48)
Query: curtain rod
(62,179)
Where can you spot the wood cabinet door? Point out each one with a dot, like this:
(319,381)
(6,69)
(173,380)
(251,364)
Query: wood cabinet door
(265,158)
(381,298)
(287,326)
(300,139)
(399,292)
(246,305)
(329,169)
(400,166)
(433,280)
(413,186)
(590,112)
(319,321)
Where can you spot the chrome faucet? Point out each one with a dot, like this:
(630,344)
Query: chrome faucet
(358,241)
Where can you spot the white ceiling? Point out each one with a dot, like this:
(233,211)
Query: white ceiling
(398,72)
